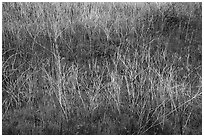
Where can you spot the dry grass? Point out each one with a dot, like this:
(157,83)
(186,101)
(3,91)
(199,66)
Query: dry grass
(101,68)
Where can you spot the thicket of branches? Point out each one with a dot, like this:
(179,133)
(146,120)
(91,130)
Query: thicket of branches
(102,68)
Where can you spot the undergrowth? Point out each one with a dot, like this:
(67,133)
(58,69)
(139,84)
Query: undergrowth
(101,68)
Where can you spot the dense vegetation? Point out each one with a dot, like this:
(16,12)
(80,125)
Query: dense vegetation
(102,68)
